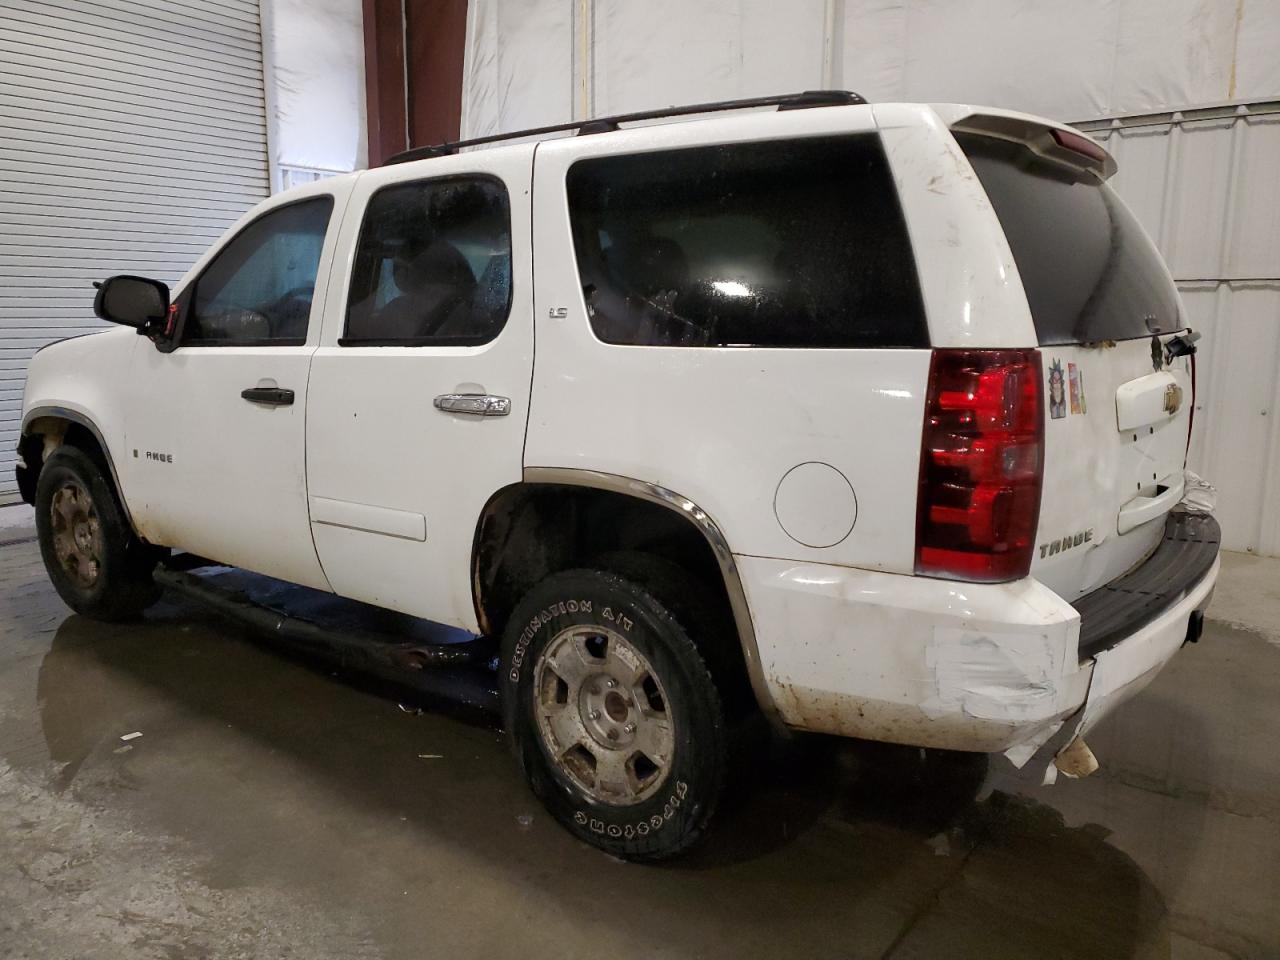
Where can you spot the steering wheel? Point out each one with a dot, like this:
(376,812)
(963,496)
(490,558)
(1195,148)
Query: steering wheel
(291,308)
(301,295)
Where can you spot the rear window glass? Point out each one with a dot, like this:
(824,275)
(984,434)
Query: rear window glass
(783,243)
(1089,270)
(433,265)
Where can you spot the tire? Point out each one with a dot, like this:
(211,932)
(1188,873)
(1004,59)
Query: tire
(685,596)
(634,767)
(97,564)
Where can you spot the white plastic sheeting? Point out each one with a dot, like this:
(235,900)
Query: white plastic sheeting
(541,61)
(1206,185)
(314,61)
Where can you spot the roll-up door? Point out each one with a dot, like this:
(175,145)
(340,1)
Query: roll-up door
(132,133)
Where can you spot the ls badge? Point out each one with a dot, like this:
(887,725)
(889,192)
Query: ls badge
(1172,399)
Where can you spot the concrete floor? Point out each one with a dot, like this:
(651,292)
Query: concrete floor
(271,810)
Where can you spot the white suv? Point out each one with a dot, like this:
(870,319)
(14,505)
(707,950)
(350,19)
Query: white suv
(871,418)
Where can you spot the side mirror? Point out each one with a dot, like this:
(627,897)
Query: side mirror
(132,301)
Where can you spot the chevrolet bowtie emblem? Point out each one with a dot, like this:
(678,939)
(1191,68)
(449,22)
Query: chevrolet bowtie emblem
(1172,399)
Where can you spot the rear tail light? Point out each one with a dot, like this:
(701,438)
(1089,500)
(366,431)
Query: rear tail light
(981,465)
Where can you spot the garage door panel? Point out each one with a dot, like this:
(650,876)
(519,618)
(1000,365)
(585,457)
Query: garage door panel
(179,224)
(57,50)
(105,131)
(135,135)
(130,33)
(86,90)
(135,236)
(116,110)
(50,191)
(56,143)
(21,162)
(83,273)
(80,92)
(233,27)
(113,207)
(160,81)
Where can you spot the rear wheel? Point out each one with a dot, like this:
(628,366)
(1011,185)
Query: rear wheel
(615,717)
(97,564)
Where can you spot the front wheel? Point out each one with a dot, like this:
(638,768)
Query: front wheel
(612,711)
(97,564)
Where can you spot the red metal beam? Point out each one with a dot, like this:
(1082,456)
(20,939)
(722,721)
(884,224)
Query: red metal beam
(384,78)
(414,100)
(437,38)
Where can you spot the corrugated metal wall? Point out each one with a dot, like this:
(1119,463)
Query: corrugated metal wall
(1206,184)
(132,134)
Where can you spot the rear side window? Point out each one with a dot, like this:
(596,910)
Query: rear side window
(1089,270)
(781,243)
(433,265)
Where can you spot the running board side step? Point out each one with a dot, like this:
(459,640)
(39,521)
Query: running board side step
(462,673)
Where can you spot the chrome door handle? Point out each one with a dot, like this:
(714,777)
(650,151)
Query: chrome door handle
(473,404)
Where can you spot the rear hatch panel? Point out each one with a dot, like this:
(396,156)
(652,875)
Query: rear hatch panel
(1117,403)
(1108,487)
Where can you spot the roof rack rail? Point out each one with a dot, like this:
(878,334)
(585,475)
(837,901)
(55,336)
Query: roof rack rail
(786,101)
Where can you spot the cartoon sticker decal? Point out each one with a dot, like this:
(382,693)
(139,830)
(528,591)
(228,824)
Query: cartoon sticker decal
(1057,391)
(1075,378)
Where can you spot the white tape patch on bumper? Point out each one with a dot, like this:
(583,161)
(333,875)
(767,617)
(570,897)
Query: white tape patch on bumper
(1009,677)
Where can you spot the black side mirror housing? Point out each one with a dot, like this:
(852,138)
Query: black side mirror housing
(132,301)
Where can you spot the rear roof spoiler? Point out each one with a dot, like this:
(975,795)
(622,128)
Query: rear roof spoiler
(1055,142)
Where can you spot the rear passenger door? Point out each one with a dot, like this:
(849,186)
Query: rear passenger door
(419,391)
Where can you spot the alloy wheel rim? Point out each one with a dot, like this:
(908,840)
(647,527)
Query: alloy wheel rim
(77,533)
(603,715)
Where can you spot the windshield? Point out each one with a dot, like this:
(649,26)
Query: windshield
(1089,270)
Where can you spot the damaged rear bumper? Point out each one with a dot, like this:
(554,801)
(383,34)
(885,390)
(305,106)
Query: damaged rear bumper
(958,666)
(1126,667)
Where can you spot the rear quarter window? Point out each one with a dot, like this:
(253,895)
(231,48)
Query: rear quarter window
(781,243)
(1089,270)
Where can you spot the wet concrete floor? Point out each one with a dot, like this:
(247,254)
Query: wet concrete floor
(270,809)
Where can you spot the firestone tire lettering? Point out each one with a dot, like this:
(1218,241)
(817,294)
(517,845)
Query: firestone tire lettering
(630,830)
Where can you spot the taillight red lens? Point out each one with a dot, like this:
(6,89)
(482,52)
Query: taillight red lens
(1079,144)
(981,465)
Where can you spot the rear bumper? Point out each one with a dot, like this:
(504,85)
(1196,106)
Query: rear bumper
(1126,667)
(982,667)
(1127,604)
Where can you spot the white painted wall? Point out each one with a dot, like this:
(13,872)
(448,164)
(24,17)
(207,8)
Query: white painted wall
(313,52)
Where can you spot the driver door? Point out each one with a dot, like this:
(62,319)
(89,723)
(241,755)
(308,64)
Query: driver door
(215,428)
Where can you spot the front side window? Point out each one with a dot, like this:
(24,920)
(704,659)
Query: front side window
(433,265)
(780,243)
(258,289)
